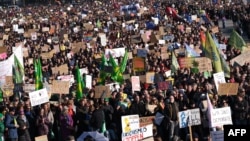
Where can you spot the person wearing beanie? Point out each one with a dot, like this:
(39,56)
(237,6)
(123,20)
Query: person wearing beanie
(2,128)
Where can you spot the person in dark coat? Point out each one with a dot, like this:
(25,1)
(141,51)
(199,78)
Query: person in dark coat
(23,130)
(97,118)
(11,124)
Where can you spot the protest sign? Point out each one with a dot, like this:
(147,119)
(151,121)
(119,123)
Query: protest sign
(130,122)
(217,135)
(189,118)
(39,97)
(138,134)
(141,52)
(221,116)
(7,90)
(144,121)
(218,79)
(63,69)
(60,87)
(41,138)
(135,83)
(29,87)
(116,52)
(150,77)
(102,91)
(204,64)
(138,64)
(162,85)
(9,80)
(69,78)
(88,79)
(241,59)
(228,88)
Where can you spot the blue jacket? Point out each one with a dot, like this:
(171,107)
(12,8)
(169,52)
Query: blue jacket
(9,123)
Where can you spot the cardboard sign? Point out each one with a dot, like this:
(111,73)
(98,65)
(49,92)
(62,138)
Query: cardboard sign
(7,90)
(60,87)
(218,79)
(228,88)
(150,77)
(102,91)
(215,29)
(29,88)
(9,80)
(241,59)
(144,121)
(41,138)
(138,64)
(142,78)
(63,69)
(204,64)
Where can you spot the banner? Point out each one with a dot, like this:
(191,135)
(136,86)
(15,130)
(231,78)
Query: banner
(150,77)
(241,59)
(135,83)
(138,134)
(189,118)
(219,78)
(221,116)
(6,65)
(39,97)
(130,123)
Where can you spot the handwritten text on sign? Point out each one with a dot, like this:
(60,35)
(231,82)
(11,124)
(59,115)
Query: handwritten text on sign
(221,116)
(189,118)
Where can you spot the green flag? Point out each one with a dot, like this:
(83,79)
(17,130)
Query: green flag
(79,84)
(98,24)
(1,95)
(38,75)
(124,62)
(18,71)
(225,67)
(212,52)
(236,41)
(103,73)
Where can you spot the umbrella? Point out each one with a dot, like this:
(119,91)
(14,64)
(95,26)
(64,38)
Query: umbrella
(95,135)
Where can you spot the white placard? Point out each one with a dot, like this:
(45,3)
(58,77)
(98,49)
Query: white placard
(168,73)
(84,71)
(39,97)
(135,83)
(138,134)
(219,78)
(221,116)
(112,88)
(103,39)
(116,52)
(162,42)
(88,81)
(189,118)
(130,123)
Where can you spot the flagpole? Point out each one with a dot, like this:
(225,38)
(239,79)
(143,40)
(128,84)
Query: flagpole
(190,133)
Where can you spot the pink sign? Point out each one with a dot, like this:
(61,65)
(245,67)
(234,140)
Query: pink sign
(3,55)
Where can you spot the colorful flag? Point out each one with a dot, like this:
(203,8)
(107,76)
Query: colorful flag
(190,51)
(38,75)
(175,65)
(18,71)
(236,41)
(203,39)
(211,52)
(79,84)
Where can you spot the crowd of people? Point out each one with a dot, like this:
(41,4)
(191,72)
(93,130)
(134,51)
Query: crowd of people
(74,35)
